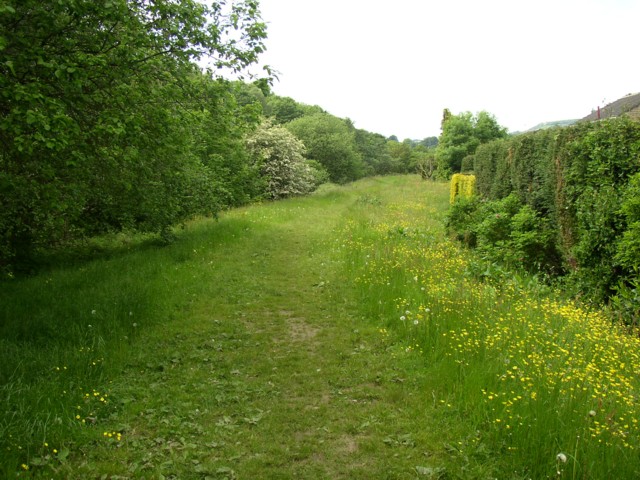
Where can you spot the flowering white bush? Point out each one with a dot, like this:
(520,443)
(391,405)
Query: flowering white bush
(280,158)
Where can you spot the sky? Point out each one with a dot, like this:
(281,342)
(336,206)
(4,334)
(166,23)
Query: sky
(392,66)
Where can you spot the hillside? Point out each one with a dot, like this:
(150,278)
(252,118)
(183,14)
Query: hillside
(557,123)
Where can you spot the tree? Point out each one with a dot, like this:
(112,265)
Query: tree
(100,110)
(456,141)
(461,135)
(250,94)
(330,141)
(429,142)
(373,149)
(400,154)
(286,109)
(424,162)
(279,156)
(486,128)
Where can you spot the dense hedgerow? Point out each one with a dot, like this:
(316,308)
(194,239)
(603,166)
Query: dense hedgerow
(506,231)
(577,184)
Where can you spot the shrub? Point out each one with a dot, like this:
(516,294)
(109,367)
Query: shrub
(279,157)
(467,164)
(462,186)
(505,231)
(462,219)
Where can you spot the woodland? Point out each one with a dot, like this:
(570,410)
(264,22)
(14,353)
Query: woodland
(109,123)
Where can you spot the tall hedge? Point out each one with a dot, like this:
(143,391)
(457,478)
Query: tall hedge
(577,178)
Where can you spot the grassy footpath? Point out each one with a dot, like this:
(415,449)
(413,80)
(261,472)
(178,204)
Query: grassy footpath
(335,336)
(238,352)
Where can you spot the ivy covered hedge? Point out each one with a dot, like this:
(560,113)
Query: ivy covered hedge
(581,185)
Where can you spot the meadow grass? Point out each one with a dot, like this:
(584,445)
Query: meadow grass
(550,387)
(335,336)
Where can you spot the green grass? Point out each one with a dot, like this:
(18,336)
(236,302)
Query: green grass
(334,336)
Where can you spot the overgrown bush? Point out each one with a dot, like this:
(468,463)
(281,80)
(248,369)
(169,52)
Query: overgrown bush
(505,231)
(462,219)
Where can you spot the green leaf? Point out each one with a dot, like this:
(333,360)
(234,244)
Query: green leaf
(9,64)
(63,454)
(38,461)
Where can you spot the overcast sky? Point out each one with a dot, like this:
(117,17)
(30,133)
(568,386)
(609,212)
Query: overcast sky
(392,66)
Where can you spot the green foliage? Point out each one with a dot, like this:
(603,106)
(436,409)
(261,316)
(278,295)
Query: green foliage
(576,179)
(251,94)
(485,168)
(518,236)
(331,142)
(100,114)
(279,157)
(461,135)
(625,303)
(462,220)
(286,109)
(424,162)
(486,128)
(429,142)
(400,155)
(375,155)
(628,247)
(507,232)
(599,162)
(467,164)
(319,174)
(461,186)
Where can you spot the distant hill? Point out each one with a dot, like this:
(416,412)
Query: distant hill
(557,123)
(628,105)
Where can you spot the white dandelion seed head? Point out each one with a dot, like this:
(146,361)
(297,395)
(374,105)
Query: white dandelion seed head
(592,413)
(403,318)
(93,312)
(415,322)
(561,457)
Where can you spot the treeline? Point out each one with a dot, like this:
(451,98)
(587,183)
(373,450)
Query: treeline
(346,152)
(108,124)
(565,202)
